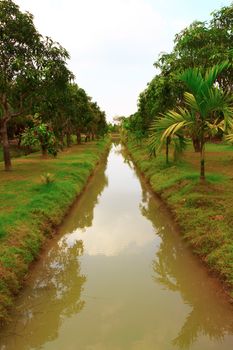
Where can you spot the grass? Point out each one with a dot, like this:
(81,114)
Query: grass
(31,208)
(203,211)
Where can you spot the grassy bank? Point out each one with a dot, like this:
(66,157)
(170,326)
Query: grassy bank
(31,209)
(204,212)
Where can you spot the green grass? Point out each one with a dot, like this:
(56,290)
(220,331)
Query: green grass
(31,209)
(203,211)
(214,147)
(219,147)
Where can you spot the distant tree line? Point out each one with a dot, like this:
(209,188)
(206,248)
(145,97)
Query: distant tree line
(39,100)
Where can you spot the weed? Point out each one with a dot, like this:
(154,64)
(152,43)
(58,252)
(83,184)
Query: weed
(47,178)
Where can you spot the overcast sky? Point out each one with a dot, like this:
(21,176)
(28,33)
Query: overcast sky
(114,43)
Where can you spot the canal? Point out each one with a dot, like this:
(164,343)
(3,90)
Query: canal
(118,276)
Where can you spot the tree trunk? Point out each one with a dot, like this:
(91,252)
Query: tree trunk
(27,150)
(44,151)
(167,150)
(68,139)
(19,142)
(153,153)
(79,137)
(202,162)
(3,130)
(87,138)
(5,146)
(92,136)
(63,140)
(196,144)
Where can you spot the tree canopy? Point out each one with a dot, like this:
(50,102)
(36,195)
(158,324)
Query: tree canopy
(34,78)
(200,45)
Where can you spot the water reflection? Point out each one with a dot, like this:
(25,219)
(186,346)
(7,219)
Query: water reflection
(82,214)
(111,231)
(57,282)
(54,296)
(210,314)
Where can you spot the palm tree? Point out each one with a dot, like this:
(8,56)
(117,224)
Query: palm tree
(159,138)
(207,109)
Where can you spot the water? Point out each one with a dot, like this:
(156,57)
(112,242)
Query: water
(118,276)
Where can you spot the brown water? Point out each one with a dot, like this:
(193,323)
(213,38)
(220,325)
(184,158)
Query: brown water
(119,277)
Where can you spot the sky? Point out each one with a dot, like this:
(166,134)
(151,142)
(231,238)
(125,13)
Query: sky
(114,43)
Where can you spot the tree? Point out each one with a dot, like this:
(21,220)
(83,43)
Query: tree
(33,72)
(51,96)
(161,93)
(78,109)
(200,45)
(19,48)
(207,44)
(207,109)
(40,134)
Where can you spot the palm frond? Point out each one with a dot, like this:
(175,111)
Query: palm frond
(220,102)
(213,100)
(200,85)
(168,125)
(191,101)
(229,138)
(228,124)
(215,126)
(204,103)
(193,79)
(212,73)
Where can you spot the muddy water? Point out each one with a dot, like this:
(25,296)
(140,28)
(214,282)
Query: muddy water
(119,277)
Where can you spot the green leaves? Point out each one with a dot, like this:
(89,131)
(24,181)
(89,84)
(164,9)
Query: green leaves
(171,122)
(169,125)
(212,73)
(191,102)
(40,134)
(208,110)
(19,42)
(34,77)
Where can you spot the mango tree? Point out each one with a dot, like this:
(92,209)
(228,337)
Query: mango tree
(20,45)
(33,71)
(41,134)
